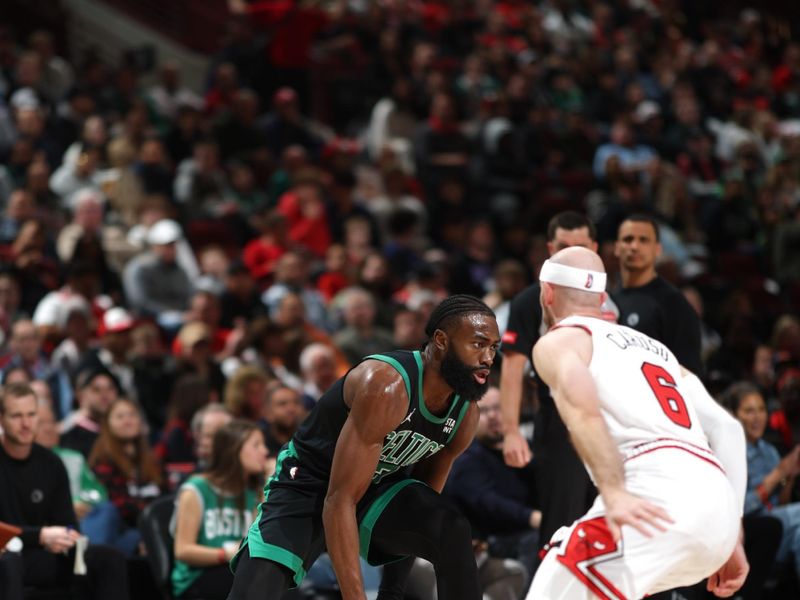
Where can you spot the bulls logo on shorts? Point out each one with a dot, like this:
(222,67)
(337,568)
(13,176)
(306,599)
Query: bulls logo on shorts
(590,544)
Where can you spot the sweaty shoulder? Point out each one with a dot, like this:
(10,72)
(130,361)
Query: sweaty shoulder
(564,339)
(558,347)
(373,379)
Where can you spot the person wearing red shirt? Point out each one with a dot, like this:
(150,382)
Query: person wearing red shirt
(306,215)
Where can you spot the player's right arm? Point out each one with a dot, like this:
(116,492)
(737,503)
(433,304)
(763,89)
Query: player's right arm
(562,360)
(378,402)
(516,451)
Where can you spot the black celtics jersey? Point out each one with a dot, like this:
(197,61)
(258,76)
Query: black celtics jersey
(420,435)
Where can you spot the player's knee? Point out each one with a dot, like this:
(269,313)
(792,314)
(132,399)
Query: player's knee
(454,529)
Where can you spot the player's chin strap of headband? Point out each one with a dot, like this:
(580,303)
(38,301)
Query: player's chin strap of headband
(572,277)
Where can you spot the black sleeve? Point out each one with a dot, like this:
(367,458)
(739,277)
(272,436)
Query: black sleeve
(56,509)
(524,319)
(682,333)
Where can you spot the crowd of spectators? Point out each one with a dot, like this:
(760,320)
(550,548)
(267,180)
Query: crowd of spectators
(346,167)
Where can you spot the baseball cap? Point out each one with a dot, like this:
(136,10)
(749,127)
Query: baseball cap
(646,109)
(165,231)
(87,375)
(117,319)
(25,98)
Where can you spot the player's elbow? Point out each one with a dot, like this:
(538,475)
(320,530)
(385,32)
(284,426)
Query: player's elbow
(336,502)
(727,433)
(736,432)
(733,430)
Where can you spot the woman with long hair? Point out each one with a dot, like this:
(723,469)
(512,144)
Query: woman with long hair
(214,510)
(123,462)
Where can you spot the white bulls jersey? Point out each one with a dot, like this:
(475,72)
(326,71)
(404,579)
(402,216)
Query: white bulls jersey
(668,462)
(638,383)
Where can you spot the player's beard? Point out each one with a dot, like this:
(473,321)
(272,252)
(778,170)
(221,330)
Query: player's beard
(458,375)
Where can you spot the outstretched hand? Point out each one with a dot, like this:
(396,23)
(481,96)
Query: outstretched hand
(730,577)
(623,508)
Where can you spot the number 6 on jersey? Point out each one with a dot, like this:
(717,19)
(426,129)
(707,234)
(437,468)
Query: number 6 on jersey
(667,394)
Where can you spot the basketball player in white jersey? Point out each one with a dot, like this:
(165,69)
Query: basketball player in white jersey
(668,461)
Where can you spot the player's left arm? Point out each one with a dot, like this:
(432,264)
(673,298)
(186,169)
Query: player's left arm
(434,470)
(725,434)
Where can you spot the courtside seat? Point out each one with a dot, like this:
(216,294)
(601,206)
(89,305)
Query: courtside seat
(154,527)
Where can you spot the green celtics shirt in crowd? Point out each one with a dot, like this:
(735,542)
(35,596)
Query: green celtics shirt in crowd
(222,521)
(83,483)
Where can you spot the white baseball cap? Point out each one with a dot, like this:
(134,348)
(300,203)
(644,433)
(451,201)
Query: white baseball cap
(117,319)
(646,109)
(165,231)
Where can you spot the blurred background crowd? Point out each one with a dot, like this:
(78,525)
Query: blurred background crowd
(175,255)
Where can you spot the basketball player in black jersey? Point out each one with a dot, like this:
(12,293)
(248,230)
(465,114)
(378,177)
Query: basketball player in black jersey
(364,471)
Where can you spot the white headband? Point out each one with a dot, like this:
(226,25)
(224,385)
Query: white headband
(579,279)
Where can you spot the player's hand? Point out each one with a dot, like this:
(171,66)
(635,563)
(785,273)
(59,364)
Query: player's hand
(516,451)
(730,577)
(623,508)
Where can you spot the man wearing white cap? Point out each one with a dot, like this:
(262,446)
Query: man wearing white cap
(669,462)
(115,344)
(155,283)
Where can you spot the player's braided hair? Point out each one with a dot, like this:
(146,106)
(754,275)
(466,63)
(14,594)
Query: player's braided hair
(453,308)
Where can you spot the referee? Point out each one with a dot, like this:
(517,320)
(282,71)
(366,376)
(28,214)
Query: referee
(565,490)
(646,301)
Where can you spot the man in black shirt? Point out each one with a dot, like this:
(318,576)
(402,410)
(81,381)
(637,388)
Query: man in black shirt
(499,501)
(647,302)
(36,497)
(565,490)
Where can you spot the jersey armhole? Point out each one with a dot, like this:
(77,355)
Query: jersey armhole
(460,418)
(575,325)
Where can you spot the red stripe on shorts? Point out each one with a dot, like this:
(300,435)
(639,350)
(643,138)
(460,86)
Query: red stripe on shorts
(590,544)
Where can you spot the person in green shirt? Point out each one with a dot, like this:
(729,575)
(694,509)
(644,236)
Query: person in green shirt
(89,496)
(214,509)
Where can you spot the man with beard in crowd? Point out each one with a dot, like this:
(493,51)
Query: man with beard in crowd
(283,412)
(341,481)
